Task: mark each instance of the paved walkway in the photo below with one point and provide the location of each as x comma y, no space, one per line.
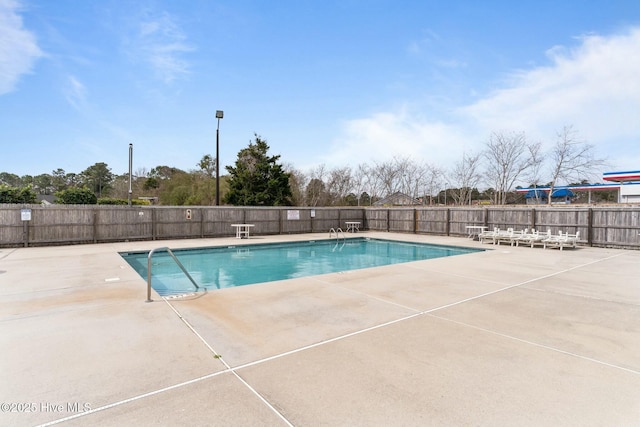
509,336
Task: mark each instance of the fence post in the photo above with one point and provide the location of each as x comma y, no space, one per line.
448,221
590,226
415,220
95,225
311,210
25,233
201,210
533,218
154,228
365,222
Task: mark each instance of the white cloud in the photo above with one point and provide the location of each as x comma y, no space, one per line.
432,49
593,87
75,93
398,134
424,45
18,47
161,43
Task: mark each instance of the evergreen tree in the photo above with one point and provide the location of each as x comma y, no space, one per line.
98,178
10,179
257,179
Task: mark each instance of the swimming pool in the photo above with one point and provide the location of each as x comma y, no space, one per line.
229,266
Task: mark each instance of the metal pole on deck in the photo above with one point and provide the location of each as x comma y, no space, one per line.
219,115
130,170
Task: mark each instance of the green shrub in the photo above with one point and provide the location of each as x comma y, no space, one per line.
112,201
17,195
122,202
76,196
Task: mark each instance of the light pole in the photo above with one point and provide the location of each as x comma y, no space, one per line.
219,115
130,172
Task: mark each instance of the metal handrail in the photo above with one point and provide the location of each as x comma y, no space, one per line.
344,238
170,252
337,231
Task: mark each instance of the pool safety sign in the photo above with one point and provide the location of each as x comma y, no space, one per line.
293,215
25,214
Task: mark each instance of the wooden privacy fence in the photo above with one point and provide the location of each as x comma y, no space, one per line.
603,226
36,225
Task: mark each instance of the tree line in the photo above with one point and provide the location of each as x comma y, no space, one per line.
258,178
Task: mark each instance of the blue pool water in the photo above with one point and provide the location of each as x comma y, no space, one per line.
228,266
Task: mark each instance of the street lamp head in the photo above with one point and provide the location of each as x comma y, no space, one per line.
219,114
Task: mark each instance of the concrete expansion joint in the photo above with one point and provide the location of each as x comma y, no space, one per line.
229,368
3,255
539,345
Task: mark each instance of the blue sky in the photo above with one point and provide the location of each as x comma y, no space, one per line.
324,82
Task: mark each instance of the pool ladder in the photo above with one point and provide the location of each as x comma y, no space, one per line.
337,233
170,252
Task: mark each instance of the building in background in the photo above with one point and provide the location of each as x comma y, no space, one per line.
629,184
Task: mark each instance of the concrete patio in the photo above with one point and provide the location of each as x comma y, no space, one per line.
510,336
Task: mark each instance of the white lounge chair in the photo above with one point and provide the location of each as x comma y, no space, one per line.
533,238
551,239
562,240
505,236
517,235
521,236
488,235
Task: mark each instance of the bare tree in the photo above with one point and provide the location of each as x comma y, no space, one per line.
386,177
571,159
466,176
339,184
315,193
399,175
361,181
533,174
298,181
432,181
412,177
508,156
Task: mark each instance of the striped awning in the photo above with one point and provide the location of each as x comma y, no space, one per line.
621,176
